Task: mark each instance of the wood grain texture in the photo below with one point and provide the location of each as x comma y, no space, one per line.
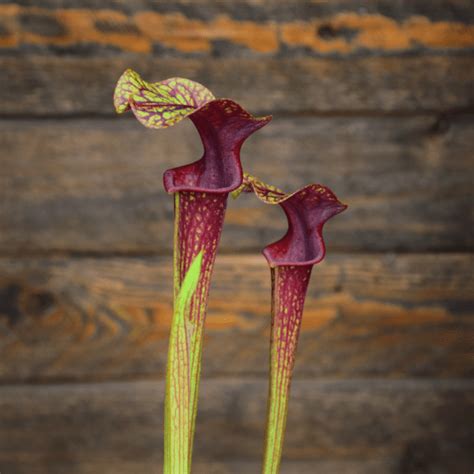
413,425
96,185
177,29
279,10
111,466
365,315
42,85
369,97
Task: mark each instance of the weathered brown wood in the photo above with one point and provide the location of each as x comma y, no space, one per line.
111,466
366,315
96,185
279,10
220,30
67,85
95,428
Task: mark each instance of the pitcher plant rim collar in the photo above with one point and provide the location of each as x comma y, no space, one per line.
223,126
307,210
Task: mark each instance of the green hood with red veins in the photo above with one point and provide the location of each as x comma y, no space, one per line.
160,104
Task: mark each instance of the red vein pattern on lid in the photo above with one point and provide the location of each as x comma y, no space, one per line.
160,104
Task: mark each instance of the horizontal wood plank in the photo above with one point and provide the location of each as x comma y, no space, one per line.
96,185
278,10
112,466
42,85
366,315
220,30
98,427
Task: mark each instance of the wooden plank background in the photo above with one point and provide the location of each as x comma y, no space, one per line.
367,316
373,98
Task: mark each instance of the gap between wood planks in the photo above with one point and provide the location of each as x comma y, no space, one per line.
455,383
101,255
283,114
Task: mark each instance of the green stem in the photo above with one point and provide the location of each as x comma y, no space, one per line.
289,284
179,379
